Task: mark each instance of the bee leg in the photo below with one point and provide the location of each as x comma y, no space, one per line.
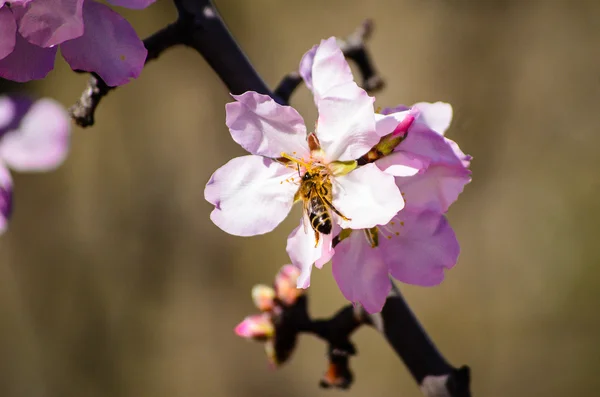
316,238
335,210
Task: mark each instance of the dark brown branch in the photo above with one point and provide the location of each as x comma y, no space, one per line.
402,330
84,109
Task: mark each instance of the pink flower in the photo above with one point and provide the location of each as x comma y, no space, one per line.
418,244
91,36
253,194
34,136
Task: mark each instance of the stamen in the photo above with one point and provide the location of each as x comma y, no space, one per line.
296,160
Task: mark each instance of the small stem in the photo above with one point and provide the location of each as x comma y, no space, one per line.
84,109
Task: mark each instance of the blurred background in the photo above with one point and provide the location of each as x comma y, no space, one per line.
114,282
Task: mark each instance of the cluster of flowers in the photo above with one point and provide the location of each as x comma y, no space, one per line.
34,137
92,37
375,185
273,304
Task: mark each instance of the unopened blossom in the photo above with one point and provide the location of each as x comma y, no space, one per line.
34,137
253,194
269,326
91,36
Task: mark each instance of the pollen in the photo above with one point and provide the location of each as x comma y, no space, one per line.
402,223
122,57
397,233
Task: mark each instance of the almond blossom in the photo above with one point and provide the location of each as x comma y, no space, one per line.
91,36
418,244
34,137
253,194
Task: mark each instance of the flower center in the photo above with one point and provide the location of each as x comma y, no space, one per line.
311,166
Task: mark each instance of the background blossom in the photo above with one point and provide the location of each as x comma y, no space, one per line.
34,137
91,36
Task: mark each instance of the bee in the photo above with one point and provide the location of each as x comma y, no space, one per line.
315,192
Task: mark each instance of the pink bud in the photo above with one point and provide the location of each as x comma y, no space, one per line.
257,327
285,284
263,296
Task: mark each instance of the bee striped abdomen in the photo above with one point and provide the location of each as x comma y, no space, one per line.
320,219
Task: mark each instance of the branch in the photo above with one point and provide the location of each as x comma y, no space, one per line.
435,376
83,110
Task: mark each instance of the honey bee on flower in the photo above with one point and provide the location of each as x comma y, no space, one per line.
253,194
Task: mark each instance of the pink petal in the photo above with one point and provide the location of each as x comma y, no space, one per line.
48,23
428,144
109,46
306,64
329,69
265,128
402,164
5,197
133,4
368,196
41,141
435,189
417,247
251,194
465,159
346,124
12,110
258,326
303,253
387,123
8,109
27,62
285,284
436,116
361,272
8,31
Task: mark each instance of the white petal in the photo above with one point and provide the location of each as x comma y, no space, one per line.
265,128
346,124
251,195
329,69
303,252
368,196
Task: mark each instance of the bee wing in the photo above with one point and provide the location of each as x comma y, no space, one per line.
307,210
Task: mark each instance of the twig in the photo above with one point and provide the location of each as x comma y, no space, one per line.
84,109
435,376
